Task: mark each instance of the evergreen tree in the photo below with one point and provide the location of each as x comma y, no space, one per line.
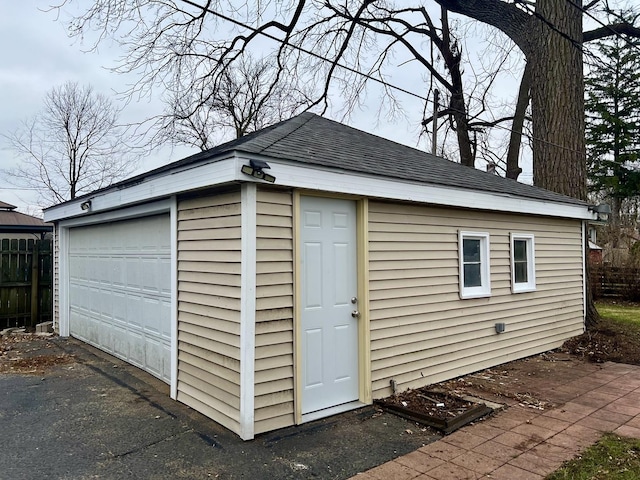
612,107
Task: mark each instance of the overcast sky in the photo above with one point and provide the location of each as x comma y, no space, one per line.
36,55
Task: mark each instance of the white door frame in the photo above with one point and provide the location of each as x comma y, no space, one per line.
364,343
168,205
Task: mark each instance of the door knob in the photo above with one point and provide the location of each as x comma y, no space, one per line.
355,314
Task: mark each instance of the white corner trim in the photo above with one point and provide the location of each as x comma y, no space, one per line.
248,310
63,281
174,297
585,225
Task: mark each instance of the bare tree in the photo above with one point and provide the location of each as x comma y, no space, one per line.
245,100
74,146
176,47
167,34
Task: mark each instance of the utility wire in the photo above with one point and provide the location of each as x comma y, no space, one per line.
302,49
378,80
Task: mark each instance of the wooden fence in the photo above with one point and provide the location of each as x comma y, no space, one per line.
25,282
615,282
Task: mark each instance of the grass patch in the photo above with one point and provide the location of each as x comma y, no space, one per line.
620,312
612,458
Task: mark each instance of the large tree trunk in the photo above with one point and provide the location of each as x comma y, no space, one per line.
557,99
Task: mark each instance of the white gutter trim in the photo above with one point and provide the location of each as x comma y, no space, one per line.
248,310
159,186
297,175
312,178
174,297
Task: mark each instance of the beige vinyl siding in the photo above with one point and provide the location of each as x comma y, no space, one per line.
209,252
422,332
274,311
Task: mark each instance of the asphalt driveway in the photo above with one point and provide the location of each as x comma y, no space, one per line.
99,418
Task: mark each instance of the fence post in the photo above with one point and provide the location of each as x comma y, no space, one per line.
35,284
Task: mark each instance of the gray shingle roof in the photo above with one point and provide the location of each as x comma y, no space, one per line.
317,141
314,140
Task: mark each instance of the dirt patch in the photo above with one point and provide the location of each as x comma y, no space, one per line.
29,354
433,404
437,409
607,342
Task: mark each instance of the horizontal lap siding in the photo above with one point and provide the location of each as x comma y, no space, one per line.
422,332
209,254
274,312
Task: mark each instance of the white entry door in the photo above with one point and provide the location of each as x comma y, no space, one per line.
329,332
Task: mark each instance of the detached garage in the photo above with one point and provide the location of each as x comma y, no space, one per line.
298,271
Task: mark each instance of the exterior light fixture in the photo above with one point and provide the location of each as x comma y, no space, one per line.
255,170
602,211
86,206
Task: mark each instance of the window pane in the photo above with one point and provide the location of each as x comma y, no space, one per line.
520,250
471,250
521,273
472,277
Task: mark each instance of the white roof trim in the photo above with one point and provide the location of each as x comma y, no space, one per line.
312,177
208,173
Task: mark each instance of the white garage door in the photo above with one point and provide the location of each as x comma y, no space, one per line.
120,290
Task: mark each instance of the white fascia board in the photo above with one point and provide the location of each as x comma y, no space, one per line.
312,177
316,178
207,173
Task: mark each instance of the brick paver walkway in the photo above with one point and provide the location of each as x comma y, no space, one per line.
525,444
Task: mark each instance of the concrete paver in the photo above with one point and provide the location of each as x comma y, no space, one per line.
527,444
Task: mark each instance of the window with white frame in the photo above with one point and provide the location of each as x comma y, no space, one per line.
523,263
474,274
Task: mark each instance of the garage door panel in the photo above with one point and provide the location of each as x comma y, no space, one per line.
136,348
120,340
120,290
154,354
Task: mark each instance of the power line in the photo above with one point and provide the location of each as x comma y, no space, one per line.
369,77
302,49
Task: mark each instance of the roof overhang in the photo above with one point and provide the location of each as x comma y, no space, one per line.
227,169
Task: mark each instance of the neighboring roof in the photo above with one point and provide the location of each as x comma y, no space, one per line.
11,221
317,141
